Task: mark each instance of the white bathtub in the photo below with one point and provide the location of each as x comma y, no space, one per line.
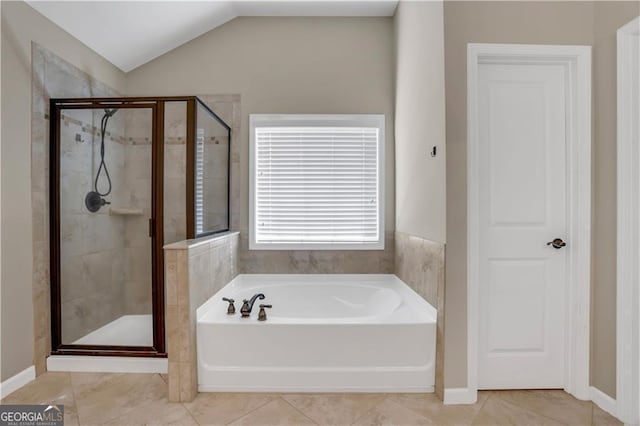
325,333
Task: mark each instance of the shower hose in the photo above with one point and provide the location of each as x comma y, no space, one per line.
103,165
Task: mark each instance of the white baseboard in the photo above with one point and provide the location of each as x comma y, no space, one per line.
604,401
307,389
456,396
14,383
107,364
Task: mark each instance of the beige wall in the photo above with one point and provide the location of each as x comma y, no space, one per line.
420,178
285,65
419,120
587,23
20,26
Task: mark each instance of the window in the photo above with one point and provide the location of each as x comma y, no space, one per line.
317,182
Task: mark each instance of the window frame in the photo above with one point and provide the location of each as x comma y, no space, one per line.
317,120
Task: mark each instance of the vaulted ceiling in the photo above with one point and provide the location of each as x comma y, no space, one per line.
132,33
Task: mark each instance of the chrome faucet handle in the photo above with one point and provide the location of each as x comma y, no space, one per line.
231,309
262,315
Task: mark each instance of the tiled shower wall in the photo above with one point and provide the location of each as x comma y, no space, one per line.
136,192
92,255
52,77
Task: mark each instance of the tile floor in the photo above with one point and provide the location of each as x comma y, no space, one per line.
137,399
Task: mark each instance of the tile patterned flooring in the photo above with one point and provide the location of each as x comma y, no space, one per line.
141,399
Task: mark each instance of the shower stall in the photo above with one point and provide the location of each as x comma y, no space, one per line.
128,175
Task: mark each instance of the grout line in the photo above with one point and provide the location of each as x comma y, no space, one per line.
165,381
385,397
249,412
75,401
189,411
295,408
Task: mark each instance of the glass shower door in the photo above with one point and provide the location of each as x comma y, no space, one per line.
105,246
211,173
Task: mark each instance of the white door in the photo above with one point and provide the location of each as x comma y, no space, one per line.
522,206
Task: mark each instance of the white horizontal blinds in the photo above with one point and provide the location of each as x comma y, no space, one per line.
199,195
316,185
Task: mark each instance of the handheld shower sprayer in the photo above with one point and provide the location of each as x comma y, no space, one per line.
94,199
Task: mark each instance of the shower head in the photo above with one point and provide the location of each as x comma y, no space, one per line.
110,111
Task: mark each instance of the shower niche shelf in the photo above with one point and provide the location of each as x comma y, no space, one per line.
125,211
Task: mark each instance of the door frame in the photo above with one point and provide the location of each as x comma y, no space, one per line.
628,270
577,60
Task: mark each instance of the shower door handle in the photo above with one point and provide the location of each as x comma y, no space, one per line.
151,227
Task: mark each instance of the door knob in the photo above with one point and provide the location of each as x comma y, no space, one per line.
557,243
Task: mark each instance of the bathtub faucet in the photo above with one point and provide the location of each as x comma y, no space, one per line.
247,305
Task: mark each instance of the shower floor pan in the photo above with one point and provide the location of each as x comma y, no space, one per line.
128,330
